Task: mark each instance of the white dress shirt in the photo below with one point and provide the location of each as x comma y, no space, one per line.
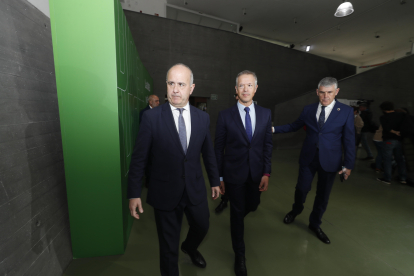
328,110
252,114
187,119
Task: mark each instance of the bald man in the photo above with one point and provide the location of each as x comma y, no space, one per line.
153,101
175,135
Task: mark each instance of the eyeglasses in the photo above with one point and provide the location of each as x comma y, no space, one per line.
172,84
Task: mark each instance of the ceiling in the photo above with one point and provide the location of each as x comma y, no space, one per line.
350,39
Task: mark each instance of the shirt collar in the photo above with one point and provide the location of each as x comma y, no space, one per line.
331,105
242,107
186,107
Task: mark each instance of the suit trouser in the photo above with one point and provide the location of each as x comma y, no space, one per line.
169,228
244,198
323,190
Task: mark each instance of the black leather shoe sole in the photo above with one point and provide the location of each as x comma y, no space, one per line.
196,258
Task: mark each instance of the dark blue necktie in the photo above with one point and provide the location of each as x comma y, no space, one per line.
322,117
248,124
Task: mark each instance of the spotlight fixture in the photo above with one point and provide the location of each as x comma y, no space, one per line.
244,12
291,46
240,29
344,9
307,48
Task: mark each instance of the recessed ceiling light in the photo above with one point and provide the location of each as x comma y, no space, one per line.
307,48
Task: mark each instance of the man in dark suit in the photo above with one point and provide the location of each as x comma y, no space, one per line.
329,130
175,135
224,198
153,101
243,147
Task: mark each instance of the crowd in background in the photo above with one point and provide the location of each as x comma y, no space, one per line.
393,138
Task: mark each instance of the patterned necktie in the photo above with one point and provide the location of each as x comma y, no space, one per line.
248,123
182,132
322,117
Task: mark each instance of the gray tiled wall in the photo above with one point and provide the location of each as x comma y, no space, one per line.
34,225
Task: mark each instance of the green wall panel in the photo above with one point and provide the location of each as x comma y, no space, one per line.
102,85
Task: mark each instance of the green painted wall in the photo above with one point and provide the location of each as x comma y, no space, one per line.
102,85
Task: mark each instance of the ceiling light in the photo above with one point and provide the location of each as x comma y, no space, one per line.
344,9
307,48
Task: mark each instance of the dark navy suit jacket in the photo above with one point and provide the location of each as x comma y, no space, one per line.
337,134
236,156
142,112
172,171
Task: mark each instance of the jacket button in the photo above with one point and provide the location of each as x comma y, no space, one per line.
185,160
320,133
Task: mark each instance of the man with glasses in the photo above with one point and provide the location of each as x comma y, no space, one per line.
174,135
243,147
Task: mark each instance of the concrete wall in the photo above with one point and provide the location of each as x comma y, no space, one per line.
216,57
392,82
151,7
34,227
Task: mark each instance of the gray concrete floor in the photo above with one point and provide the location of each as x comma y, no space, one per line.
370,225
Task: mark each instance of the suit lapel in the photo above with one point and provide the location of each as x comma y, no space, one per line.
169,123
258,113
236,116
194,126
313,110
333,114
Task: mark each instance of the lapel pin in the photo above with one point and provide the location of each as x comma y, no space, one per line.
338,109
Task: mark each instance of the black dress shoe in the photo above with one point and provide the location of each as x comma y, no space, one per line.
290,217
240,266
320,234
221,207
195,256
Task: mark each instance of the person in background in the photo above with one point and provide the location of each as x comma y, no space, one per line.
225,197
153,101
366,116
379,144
391,123
359,124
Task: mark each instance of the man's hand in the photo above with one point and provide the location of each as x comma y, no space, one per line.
215,191
398,133
264,183
346,173
135,203
222,188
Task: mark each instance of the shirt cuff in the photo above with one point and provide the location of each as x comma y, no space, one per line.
273,129
221,178
266,174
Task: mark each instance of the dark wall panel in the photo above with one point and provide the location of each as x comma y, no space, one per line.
392,82
216,57
34,227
